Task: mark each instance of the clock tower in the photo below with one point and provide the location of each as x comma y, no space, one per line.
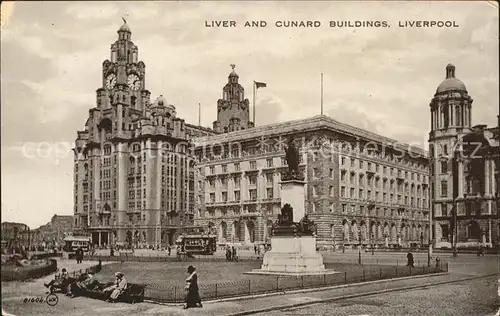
123,76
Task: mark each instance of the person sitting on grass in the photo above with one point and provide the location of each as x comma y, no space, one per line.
62,282
116,289
80,287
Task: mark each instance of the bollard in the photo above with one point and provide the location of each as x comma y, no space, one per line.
215,290
277,283
249,289
345,277
396,271
324,279
381,273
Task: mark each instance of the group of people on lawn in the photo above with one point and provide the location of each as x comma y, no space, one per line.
86,283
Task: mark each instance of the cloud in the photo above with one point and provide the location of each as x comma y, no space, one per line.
92,11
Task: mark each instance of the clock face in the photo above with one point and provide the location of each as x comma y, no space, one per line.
134,82
110,81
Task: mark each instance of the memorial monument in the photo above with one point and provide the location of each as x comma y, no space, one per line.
293,240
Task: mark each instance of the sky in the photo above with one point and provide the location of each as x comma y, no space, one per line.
379,79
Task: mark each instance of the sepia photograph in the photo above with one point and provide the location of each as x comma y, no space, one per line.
268,158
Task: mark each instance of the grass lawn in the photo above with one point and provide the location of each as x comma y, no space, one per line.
165,280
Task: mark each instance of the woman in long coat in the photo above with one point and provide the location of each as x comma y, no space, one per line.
193,295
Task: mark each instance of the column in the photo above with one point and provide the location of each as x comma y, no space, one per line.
487,177
489,227
438,118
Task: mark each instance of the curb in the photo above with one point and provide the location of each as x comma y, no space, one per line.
318,289
288,306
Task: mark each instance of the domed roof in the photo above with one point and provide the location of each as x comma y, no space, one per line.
233,73
451,83
124,28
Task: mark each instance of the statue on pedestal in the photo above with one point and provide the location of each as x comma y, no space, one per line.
293,160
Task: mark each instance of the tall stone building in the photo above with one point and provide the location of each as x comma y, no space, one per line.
475,174
133,172
362,188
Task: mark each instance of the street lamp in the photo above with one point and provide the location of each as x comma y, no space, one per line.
343,242
373,246
359,252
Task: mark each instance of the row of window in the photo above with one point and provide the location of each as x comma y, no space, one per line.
385,170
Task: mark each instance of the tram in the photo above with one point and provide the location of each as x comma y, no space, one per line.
194,241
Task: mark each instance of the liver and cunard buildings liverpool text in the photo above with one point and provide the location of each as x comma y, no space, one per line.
141,173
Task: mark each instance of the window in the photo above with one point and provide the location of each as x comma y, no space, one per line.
236,195
269,193
351,193
212,197
236,181
252,180
253,164
269,178
253,194
342,175
269,162
224,196
224,168
212,169
444,188
353,162
444,166
237,166
343,161
342,192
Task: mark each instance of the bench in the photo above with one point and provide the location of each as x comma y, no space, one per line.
134,293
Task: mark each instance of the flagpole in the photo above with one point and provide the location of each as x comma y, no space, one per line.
254,103
199,114
321,93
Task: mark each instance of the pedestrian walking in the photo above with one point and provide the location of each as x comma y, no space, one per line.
409,258
193,295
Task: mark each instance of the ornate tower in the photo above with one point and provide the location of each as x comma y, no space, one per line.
450,119
233,111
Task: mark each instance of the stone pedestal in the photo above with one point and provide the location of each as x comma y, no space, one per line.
293,255
293,192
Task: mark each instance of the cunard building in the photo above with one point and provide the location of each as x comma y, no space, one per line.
362,188
133,175
464,169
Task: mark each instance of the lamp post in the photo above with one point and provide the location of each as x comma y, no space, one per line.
373,246
456,178
343,242
360,245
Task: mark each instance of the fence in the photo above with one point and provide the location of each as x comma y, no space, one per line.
152,258
93,269
175,294
16,273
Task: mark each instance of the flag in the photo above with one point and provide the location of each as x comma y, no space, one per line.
260,84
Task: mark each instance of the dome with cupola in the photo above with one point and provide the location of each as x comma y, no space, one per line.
451,83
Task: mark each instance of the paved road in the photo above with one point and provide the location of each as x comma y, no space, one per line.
470,298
